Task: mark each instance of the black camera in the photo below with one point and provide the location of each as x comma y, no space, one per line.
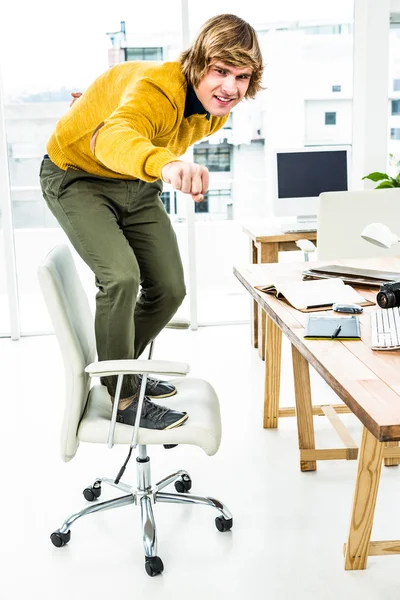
389,294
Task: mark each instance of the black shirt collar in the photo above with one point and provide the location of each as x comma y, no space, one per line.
193,106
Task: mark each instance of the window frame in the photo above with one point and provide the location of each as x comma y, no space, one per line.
158,50
210,156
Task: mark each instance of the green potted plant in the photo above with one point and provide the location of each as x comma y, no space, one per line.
385,180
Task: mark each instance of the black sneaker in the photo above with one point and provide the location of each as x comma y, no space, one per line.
156,388
153,416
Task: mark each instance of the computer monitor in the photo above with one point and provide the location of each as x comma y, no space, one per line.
301,175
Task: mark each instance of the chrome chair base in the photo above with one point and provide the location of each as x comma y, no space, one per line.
145,495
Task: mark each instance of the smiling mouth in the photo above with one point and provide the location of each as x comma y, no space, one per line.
225,100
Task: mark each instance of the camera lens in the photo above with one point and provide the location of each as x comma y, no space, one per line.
386,299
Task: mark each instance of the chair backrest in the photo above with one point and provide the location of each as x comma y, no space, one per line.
343,215
73,324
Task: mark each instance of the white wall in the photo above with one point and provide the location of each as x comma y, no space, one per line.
249,191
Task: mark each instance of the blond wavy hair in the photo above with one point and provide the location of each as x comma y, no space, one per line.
229,39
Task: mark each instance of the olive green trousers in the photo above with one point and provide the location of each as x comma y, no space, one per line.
121,230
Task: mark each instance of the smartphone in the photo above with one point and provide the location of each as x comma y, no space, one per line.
347,308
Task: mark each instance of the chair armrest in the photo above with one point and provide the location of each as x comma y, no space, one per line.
132,366
123,367
306,245
178,324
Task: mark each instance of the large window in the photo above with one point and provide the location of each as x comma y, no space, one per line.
394,97
37,87
301,70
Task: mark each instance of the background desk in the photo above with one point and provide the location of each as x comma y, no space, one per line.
266,241
368,382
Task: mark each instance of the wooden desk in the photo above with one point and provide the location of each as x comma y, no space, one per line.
266,242
368,382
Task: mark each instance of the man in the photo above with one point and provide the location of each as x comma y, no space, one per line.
102,179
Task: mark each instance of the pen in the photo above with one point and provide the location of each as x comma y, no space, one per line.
336,332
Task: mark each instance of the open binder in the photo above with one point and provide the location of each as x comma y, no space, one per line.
309,296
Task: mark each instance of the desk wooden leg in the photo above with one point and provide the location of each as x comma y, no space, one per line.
266,253
366,490
273,352
254,304
261,320
304,414
254,323
391,462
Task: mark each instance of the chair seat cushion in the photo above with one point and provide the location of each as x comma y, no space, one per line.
195,396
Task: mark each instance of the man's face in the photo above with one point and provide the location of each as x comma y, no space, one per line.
222,88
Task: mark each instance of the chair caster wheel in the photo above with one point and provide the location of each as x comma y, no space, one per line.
60,539
92,492
184,484
223,524
153,565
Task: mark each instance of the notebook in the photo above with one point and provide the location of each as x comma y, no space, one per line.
361,277
326,328
315,295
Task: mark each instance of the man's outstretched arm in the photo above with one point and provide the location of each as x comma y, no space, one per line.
189,178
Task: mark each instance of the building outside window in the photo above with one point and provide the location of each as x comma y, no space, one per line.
169,200
330,118
395,133
215,158
217,201
395,107
336,88
396,85
202,207
166,200
143,53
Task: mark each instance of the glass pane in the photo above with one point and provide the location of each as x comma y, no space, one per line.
144,53
4,310
307,101
393,165
37,88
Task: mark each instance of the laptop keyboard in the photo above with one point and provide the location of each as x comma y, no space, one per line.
385,329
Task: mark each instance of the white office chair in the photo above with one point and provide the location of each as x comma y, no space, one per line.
88,415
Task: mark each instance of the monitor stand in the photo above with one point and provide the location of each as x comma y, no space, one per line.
307,219
303,223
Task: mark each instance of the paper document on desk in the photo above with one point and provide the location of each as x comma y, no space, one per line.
313,295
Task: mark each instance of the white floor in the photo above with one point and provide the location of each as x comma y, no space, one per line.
289,527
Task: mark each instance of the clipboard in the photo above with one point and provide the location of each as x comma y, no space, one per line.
332,328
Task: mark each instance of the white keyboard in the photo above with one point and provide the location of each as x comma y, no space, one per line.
301,227
385,329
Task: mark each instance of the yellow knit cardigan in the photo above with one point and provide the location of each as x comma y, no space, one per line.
130,123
